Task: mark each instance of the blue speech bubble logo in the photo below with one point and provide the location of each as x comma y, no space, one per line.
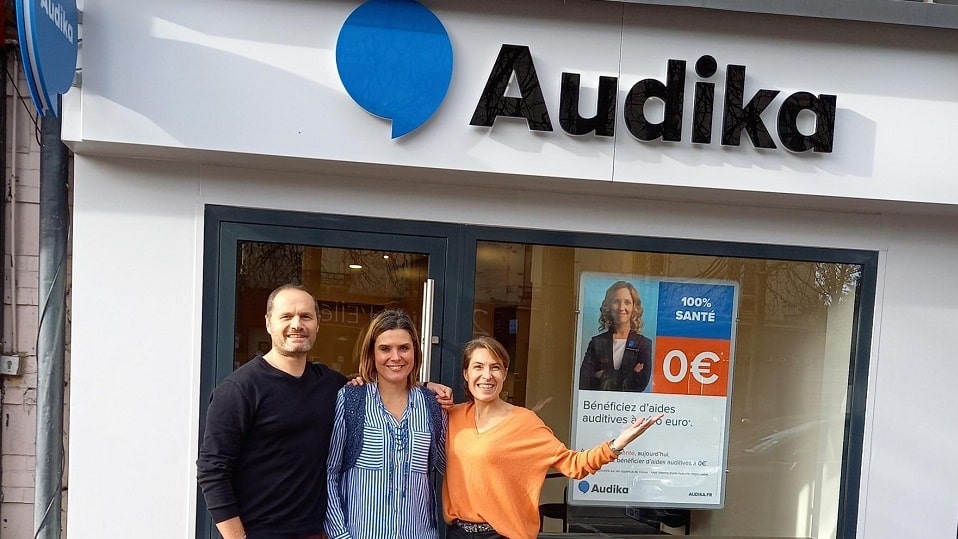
583,486
395,60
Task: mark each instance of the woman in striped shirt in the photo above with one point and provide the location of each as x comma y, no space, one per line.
387,436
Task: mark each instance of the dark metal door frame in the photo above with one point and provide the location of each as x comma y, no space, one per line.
226,227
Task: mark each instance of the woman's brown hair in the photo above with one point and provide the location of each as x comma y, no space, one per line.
388,320
495,349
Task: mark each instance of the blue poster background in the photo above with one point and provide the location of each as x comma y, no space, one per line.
701,298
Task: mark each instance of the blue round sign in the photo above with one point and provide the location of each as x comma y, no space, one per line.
395,60
48,48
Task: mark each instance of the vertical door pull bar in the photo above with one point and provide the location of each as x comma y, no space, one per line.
425,334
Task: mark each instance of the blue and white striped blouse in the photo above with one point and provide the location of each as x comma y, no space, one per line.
388,493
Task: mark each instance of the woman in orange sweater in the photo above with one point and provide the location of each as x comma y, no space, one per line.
498,454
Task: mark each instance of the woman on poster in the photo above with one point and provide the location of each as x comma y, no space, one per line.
619,358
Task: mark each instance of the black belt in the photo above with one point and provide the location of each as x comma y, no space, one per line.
473,527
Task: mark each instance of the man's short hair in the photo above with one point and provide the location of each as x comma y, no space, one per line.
287,286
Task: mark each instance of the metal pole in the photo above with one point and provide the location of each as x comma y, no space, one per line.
54,225
3,166
3,207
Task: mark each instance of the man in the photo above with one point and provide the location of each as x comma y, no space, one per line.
262,464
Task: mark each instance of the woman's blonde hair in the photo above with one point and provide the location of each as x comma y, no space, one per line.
605,311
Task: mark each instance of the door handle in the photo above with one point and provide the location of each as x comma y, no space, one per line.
425,336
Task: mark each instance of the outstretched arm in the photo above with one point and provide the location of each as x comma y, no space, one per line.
578,464
633,431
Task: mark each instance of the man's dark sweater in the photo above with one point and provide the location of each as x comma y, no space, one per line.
263,456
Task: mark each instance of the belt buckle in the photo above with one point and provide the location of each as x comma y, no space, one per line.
474,527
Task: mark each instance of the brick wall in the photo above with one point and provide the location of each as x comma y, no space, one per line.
22,229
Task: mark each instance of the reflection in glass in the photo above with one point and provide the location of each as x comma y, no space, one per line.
794,337
350,285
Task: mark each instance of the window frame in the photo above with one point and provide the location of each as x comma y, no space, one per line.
463,240
853,442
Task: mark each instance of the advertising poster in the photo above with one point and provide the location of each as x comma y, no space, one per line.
649,346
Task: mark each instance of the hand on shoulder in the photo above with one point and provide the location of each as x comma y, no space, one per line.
443,394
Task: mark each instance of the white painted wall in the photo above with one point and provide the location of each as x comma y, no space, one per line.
138,304
260,78
911,481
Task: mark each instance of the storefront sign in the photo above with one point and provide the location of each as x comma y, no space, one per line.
48,49
515,63
395,60
675,361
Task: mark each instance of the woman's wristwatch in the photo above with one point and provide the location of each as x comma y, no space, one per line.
613,448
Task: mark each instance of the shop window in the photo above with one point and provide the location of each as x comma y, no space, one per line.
791,343
797,336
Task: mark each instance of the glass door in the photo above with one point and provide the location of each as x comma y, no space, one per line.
351,286
353,276
355,267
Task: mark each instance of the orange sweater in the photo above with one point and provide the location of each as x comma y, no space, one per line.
497,476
